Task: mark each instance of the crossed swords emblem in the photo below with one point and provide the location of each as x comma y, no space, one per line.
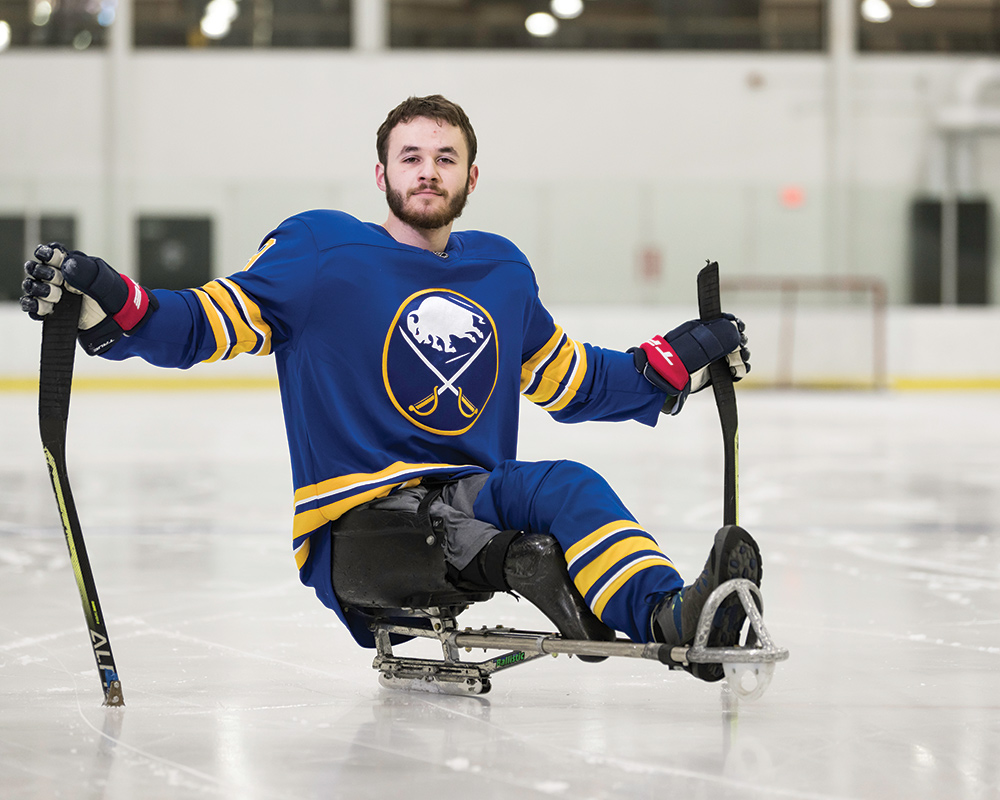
429,404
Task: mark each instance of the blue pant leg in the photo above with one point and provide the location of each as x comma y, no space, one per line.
617,567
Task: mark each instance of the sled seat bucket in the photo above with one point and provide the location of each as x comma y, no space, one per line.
386,559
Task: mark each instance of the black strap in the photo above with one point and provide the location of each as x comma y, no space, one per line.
487,568
424,507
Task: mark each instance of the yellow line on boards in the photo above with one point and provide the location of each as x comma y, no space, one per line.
188,383
146,384
951,384
895,383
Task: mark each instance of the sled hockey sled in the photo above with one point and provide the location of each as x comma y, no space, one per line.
748,668
390,567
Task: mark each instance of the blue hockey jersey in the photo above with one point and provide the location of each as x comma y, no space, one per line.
394,362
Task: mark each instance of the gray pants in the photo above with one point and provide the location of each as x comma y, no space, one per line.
464,535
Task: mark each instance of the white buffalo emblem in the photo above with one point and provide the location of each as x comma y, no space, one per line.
441,360
438,322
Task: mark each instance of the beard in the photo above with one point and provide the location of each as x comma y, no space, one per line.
427,220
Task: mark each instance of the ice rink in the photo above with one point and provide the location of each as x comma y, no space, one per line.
878,515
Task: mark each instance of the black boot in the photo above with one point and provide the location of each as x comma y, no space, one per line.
535,567
734,554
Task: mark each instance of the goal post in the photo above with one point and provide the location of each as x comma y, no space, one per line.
813,331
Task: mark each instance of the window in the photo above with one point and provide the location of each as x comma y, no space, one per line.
973,245
175,252
18,237
80,24
242,23
609,24
929,26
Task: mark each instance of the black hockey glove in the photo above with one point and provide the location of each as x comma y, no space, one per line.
678,362
113,305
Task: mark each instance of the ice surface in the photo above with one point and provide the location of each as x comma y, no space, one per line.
877,514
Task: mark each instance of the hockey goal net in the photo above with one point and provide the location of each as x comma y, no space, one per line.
812,331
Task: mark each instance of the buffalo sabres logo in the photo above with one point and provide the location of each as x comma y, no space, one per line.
440,361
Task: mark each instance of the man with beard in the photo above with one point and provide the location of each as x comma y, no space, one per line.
402,351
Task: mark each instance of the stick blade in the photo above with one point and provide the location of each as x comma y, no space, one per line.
709,299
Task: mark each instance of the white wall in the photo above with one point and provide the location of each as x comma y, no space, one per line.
934,348
586,158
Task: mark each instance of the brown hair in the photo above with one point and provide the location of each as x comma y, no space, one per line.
433,107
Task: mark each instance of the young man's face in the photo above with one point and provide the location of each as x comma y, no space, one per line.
427,178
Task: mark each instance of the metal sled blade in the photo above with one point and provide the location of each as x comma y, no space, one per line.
451,675
748,668
411,674
447,675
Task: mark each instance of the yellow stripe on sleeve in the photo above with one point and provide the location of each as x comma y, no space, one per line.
267,246
247,335
569,392
553,374
529,367
561,376
216,324
256,317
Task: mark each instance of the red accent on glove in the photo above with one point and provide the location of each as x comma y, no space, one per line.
666,362
135,307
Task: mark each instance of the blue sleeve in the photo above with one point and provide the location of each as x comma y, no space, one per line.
173,336
612,392
578,382
254,311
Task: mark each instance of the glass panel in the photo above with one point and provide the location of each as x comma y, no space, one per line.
12,242
80,24
609,24
175,252
973,252
929,26
18,237
57,229
242,23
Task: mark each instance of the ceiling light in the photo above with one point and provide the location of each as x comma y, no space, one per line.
227,9
876,10
106,16
4,35
567,9
42,13
218,18
215,26
541,24
83,40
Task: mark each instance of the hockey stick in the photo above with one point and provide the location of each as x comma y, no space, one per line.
710,307
55,380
